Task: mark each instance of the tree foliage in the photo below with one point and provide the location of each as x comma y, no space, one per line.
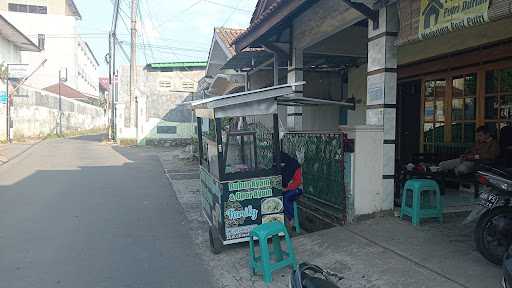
3,71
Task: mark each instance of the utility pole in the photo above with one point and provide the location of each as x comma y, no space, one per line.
112,69
60,106
65,78
113,78
8,110
133,67
108,59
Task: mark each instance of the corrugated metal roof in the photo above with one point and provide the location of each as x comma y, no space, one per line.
178,64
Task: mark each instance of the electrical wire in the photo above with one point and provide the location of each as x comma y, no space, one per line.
181,13
142,32
125,54
125,24
228,6
164,47
231,14
153,26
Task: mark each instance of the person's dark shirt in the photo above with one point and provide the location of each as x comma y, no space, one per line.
288,167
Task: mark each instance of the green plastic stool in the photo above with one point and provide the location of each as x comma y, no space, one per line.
296,217
421,199
264,263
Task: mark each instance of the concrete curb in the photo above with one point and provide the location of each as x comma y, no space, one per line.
2,163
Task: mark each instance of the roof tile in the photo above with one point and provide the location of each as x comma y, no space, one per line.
271,6
65,91
227,36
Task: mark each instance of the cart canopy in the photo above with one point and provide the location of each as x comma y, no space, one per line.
257,102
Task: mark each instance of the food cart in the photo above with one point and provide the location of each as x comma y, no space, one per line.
238,137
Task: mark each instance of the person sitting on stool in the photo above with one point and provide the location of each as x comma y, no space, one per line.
292,180
485,149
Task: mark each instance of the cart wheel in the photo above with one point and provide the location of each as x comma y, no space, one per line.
216,245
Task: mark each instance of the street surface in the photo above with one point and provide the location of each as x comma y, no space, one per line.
80,213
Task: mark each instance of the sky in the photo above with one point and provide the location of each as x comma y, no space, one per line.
168,30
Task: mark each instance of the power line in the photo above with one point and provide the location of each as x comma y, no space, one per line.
122,10
231,14
207,42
121,14
228,6
113,24
181,13
88,33
142,32
150,14
153,26
171,52
164,47
124,23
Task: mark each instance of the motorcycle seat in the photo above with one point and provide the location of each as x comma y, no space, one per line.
313,282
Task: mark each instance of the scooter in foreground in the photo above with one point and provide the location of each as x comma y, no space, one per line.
493,231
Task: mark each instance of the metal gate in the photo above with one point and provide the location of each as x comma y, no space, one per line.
322,168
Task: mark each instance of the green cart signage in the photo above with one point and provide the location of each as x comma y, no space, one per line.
234,208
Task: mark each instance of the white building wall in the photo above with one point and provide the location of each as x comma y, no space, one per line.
56,7
366,182
86,75
9,53
37,115
61,50
326,86
357,89
159,94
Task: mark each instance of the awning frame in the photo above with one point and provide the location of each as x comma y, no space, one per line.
258,102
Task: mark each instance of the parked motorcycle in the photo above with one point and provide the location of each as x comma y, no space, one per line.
507,269
493,231
312,276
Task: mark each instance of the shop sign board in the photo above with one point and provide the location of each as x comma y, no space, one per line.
3,97
250,202
210,197
18,71
234,208
438,17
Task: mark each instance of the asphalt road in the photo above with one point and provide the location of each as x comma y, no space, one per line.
79,213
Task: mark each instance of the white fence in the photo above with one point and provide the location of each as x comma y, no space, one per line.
35,113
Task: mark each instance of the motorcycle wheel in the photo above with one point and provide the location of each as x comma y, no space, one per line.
493,234
216,245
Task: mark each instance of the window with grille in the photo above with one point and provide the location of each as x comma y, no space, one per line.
166,129
498,99
188,85
37,9
14,7
41,41
433,114
463,109
165,84
18,7
455,105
